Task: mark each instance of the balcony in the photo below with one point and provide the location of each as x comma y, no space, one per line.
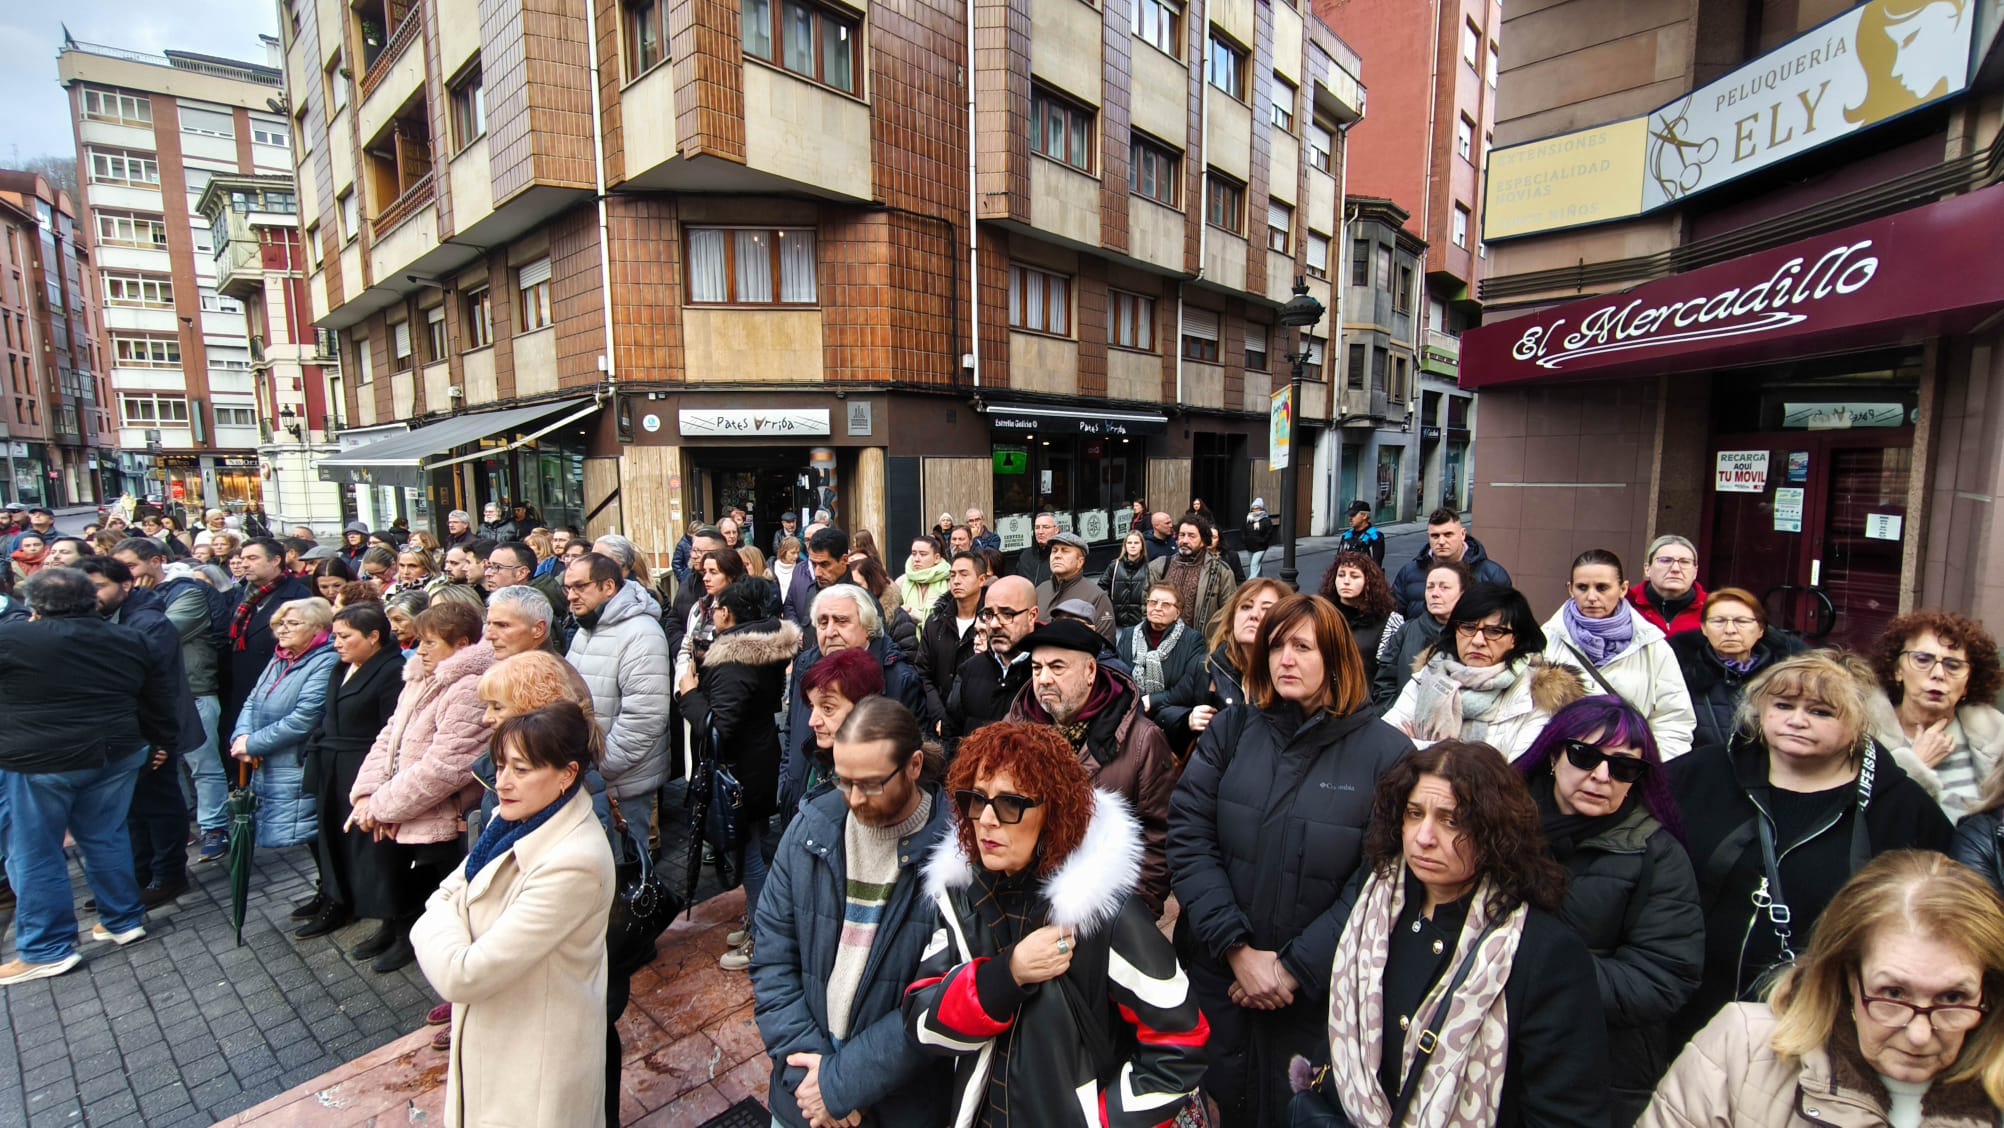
1441,353
383,58
404,206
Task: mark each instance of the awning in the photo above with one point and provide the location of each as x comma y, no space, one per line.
405,459
1028,419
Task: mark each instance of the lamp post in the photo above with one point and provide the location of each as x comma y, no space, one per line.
1301,312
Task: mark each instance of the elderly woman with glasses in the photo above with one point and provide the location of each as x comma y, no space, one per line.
1717,660
279,716
1047,982
1670,596
1938,674
1889,1018
1486,679
1610,820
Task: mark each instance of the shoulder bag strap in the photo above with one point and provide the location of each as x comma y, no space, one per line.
1429,1038
1861,836
1594,672
1769,898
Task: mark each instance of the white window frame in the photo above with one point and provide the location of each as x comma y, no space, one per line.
1316,248
278,134
134,226
532,282
119,165
112,104
1283,95
365,365
152,409
235,415
1471,44
199,129
1157,23
138,291
141,351
1321,144
400,345
1279,226
1464,137
1460,229
479,312
437,343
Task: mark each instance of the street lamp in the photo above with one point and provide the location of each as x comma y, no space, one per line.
1301,312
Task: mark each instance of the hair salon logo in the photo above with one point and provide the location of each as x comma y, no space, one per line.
1786,299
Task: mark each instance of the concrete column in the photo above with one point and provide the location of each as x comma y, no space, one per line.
866,497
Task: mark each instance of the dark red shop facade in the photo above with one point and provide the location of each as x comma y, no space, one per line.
1824,418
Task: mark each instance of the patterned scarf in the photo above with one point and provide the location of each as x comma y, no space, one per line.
1148,675
1600,639
1449,694
1184,573
1462,1084
246,611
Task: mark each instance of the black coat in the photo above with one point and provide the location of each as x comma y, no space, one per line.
354,868
1034,564
1186,673
1366,631
1266,828
81,692
1127,588
1716,690
1721,792
1410,584
1259,532
146,612
983,692
1633,898
732,710
943,647
1413,639
1979,844
244,664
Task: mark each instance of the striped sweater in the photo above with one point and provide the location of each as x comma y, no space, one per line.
870,856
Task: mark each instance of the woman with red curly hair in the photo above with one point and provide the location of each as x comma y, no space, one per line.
1048,982
1938,673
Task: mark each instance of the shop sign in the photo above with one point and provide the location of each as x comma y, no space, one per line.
1925,271
1589,176
1011,421
860,420
765,421
1842,416
1011,461
1788,509
1014,531
1742,471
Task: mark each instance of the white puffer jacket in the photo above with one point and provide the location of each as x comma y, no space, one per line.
624,659
1645,674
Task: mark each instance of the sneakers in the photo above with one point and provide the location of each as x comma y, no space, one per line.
214,845
100,933
737,959
18,972
736,937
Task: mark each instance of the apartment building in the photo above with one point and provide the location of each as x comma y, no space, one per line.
1742,287
54,426
152,131
260,261
758,260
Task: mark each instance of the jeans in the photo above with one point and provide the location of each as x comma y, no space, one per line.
639,812
753,865
1253,561
212,784
158,824
90,805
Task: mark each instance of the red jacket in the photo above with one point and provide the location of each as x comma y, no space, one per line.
1689,619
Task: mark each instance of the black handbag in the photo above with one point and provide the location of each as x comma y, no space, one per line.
642,904
724,821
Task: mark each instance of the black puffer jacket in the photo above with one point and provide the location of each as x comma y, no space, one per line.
1413,640
738,691
1127,587
1367,631
1185,674
1721,792
1979,844
942,648
983,690
1716,690
901,684
1633,898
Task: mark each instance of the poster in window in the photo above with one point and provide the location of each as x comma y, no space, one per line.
1093,525
1741,471
1014,531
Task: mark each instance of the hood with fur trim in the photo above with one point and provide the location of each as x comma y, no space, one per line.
1088,888
768,642
1554,685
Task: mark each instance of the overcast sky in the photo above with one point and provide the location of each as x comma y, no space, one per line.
35,119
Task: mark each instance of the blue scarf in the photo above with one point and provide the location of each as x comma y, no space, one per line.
500,834
1599,639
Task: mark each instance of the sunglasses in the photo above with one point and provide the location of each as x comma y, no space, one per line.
1009,809
1622,769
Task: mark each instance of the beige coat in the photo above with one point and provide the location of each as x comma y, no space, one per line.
1729,1077
520,954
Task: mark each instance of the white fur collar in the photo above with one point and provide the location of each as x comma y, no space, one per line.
1089,887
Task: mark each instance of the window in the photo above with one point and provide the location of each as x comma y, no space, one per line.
1320,143
1460,233
1255,346
1471,44
534,282
1378,358
1040,301
207,123
119,229
1402,298
1318,254
400,346
145,352
157,411
364,363
1282,95
1157,22
138,290
1060,130
479,319
271,133
646,39
235,417
1152,171
1385,267
814,42
1223,200
1360,262
116,166
1493,66
1225,67
1464,138
1311,351
118,107
1398,389
1130,321
434,334
1200,334
751,266
1358,354
1279,226
213,302
469,109
337,87
351,220
313,245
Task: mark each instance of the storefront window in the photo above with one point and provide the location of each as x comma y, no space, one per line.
1087,482
1389,458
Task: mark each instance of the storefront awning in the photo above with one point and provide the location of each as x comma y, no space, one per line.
1032,419
405,459
1927,272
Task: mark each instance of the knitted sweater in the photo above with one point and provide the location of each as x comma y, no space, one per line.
870,855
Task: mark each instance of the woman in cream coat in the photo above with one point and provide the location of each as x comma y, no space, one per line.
515,938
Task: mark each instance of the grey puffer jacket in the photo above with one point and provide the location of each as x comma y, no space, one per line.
624,659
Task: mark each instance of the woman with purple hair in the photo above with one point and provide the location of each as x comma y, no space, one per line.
1610,820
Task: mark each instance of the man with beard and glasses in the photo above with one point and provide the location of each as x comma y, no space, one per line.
1203,581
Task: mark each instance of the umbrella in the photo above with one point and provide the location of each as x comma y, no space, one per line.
697,801
242,808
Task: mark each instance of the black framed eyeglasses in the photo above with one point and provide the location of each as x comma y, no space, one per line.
1898,1014
1003,613
868,787
1009,809
1587,757
1494,632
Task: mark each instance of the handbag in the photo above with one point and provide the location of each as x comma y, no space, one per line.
1318,1107
642,904
724,822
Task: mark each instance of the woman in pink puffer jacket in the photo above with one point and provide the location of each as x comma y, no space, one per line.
417,782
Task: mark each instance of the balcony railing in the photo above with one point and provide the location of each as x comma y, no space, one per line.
405,34
405,206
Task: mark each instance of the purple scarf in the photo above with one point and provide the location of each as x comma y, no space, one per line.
1599,639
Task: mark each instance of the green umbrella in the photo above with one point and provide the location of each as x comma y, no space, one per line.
242,806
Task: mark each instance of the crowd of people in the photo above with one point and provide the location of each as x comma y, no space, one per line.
1430,859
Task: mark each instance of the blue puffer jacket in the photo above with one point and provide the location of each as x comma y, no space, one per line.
277,717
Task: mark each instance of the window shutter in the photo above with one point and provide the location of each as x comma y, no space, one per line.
1255,338
534,274
1279,216
403,337
435,315
1201,324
